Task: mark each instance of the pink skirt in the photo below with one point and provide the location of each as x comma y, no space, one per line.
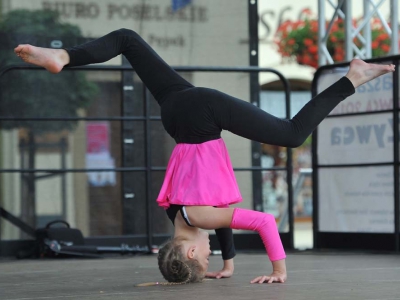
199,174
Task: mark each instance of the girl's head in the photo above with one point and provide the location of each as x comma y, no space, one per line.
184,261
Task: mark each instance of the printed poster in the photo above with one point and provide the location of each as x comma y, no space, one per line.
98,154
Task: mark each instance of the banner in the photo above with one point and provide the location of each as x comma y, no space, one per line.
356,139
356,200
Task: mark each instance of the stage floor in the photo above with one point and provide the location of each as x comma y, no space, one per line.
311,275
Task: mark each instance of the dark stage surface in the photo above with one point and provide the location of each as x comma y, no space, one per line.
311,275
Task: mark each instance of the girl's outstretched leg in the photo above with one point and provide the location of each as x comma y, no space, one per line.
155,73
247,120
53,60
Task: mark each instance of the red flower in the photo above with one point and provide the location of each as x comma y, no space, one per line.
374,44
385,48
314,26
339,50
313,49
298,24
283,27
335,27
376,22
382,37
308,42
306,11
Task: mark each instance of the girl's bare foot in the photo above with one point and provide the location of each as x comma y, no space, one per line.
361,72
53,60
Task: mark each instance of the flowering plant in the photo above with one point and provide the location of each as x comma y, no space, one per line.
380,39
299,39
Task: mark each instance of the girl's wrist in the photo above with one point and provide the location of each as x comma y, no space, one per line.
279,266
228,264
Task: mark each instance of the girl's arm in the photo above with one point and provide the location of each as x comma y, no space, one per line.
225,240
208,217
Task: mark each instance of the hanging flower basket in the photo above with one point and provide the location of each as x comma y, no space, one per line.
299,40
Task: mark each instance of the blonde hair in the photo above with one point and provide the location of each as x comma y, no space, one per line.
174,268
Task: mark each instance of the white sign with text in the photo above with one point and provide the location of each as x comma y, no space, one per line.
356,139
356,200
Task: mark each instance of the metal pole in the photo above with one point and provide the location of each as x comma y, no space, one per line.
149,206
127,110
63,145
22,176
394,19
396,148
255,100
252,69
315,176
348,26
321,32
394,50
367,32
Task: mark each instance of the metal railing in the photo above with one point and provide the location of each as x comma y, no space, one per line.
148,167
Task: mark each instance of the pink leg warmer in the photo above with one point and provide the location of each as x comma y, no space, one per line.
266,227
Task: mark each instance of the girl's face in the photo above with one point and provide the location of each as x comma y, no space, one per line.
202,251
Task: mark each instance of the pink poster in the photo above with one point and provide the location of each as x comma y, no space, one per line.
98,154
97,135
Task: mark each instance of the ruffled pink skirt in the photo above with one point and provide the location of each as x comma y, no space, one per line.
199,174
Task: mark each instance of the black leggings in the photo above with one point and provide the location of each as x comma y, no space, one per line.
196,115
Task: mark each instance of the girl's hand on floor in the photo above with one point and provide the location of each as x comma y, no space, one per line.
274,277
224,273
